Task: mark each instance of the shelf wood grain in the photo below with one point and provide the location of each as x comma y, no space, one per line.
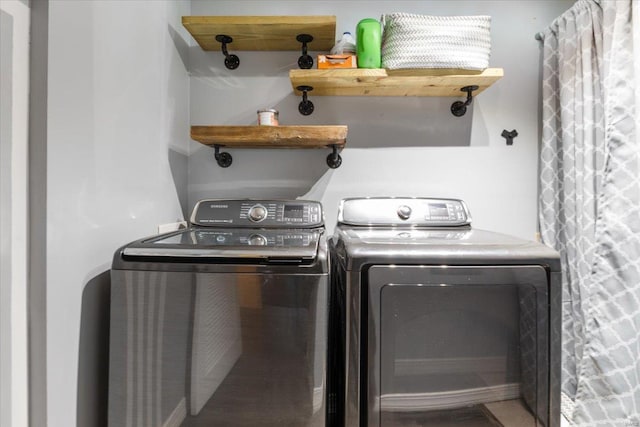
262,32
381,82
271,136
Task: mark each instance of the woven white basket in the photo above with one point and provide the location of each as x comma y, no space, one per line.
424,41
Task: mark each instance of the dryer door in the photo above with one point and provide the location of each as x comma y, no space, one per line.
457,346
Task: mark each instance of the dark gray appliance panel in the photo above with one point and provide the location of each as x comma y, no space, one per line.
457,346
217,349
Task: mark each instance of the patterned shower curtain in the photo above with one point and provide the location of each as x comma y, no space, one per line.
590,204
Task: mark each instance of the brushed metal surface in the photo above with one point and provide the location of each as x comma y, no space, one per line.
371,260
193,349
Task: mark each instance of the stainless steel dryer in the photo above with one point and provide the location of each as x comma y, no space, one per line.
224,323
444,325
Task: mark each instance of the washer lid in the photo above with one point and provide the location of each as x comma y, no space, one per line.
223,244
403,212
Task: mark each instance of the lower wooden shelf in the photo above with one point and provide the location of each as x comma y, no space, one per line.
270,136
334,137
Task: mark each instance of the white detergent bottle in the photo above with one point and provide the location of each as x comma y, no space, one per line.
346,45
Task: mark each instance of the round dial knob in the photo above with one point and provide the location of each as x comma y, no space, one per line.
257,240
257,213
404,212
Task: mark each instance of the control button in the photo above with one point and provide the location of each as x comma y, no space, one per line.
220,239
257,240
404,212
257,213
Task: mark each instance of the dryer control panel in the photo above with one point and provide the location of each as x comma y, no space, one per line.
258,213
404,211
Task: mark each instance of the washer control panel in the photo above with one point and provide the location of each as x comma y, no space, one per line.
403,211
258,213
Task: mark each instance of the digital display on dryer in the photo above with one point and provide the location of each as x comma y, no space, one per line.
438,211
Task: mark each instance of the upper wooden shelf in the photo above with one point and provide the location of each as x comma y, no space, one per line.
262,32
271,136
381,82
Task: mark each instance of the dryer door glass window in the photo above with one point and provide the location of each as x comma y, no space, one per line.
458,347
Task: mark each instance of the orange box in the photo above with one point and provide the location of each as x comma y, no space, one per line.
337,61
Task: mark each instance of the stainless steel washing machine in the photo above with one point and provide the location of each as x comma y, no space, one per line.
224,323
444,325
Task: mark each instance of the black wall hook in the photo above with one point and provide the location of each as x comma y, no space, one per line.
305,61
305,107
230,61
509,136
459,108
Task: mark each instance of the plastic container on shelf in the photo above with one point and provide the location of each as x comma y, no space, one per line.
346,45
369,41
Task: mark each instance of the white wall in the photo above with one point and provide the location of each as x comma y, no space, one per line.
14,64
395,146
118,103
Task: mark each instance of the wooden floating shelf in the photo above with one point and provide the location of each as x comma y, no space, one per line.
262,32
381,82
271,136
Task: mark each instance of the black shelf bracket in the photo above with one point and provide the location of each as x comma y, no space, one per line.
224,159
305,61
334,160
230,61
459,108
305,107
